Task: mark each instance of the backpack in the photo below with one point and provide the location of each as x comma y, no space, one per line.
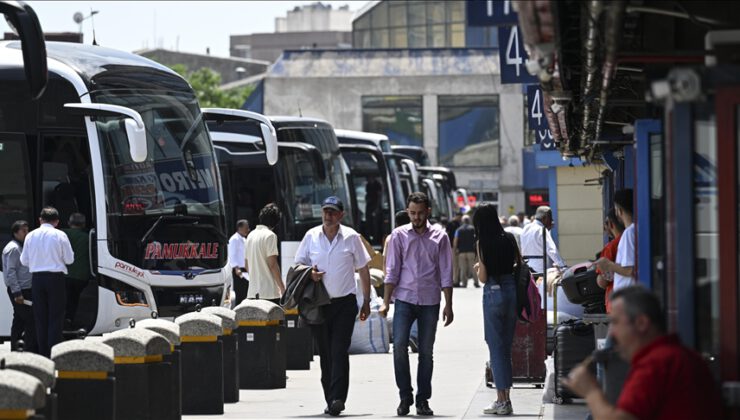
528,299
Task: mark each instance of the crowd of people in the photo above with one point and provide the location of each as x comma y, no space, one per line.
422,262
45,272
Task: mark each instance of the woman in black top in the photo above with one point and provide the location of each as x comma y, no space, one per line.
497,254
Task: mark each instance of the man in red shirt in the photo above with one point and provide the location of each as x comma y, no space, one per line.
614,228
666,380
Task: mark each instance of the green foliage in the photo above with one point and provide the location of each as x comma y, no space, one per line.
206,84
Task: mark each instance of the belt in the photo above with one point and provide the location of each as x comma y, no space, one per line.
346,297
61,273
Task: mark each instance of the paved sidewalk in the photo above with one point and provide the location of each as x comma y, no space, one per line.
458,387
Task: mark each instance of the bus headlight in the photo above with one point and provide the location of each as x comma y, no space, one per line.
126,294
131,298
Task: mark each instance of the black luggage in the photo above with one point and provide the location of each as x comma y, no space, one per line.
574,341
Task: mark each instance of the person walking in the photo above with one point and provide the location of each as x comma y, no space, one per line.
265,281
238,261
335,252
78,273
497,255
18,280
46,253
531,241
464,247
515,230
418,268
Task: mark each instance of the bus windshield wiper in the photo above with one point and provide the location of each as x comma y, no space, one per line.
162,218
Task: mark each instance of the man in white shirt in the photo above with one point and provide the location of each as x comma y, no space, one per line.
531,241
624,266
515,230
335,252
237,261
262,258
47,253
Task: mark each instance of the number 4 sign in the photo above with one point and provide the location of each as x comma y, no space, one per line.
512,56
535,112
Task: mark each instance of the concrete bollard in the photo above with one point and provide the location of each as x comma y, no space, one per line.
40,368
231,351
202,363
171,332
261,344
298,342
85,388
141,374
21,394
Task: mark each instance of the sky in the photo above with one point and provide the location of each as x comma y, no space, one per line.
188,26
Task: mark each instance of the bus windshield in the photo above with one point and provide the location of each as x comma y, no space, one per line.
335,167
178,178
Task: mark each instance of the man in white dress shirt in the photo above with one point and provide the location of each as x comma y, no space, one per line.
335,252
47,253
238,260
531,240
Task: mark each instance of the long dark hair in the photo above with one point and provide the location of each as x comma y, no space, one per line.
496,247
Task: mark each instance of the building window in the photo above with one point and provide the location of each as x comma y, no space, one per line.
398,117
469,130
423,24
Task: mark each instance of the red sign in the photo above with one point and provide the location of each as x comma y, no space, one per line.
537,200
181,251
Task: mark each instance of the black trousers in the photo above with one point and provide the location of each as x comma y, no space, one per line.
333,338
74,288
49,301
23,327
241,287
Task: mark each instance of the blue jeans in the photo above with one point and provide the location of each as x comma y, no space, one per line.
404,315
499,322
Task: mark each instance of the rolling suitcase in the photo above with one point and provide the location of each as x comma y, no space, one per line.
574,341
527,354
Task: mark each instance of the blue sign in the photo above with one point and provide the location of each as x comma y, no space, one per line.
513,57
535,108
545,140
491,13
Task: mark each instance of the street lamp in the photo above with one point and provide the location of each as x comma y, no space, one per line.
79,17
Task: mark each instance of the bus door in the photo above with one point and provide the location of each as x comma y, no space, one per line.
303,184
371,183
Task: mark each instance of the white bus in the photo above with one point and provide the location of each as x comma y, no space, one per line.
120,139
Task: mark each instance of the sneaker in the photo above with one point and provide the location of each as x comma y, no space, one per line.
500,408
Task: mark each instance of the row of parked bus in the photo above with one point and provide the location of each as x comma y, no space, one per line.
122,140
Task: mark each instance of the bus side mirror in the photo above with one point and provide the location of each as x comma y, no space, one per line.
23,21
270,139
135,129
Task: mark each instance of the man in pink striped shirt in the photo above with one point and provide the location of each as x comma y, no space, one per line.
418,268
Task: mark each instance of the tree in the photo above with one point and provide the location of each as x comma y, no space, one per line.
206,84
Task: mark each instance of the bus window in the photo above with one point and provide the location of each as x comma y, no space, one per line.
66,176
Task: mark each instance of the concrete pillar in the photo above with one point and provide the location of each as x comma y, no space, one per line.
511,135
430,128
